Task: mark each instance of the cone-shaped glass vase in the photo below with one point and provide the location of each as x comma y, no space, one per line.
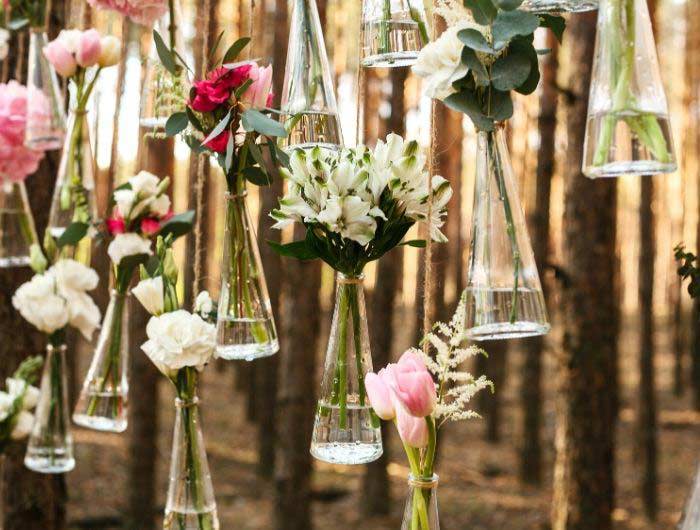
50,445
103,400
163,93
190,504
245,326
559,6
309,108
393,32
504,294
421,511
346,430
691,515
17,230
74,195
628,130
46,118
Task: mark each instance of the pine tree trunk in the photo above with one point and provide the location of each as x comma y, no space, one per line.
693,48
531,381
490,404
584,471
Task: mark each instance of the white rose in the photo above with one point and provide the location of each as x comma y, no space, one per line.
17,387
129,244
203,303
160,206
440,64
124,200
179,339
144,184
25,422
39,303
4,48
150,293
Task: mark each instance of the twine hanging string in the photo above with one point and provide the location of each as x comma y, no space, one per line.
361,90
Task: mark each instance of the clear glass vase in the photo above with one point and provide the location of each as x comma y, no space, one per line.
393,32
103,400
50,445
245,326
74,196
559,6
421,511
690,519
190,504
46,117
346,430
504,294
627,129
17,230
309,109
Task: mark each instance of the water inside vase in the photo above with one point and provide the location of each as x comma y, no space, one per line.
49,459
310,129
391,43
206,519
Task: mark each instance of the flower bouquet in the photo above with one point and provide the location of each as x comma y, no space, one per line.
140,211
227,117
56,297
180,344
18,401
420,393
356,205
78,56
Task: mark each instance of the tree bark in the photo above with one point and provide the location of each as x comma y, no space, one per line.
531,382
584,470
494,368
693,48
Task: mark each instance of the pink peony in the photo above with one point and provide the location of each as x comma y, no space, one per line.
144,12
16,160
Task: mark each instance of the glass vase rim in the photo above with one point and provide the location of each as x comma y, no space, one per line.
181,403
423,482
346,279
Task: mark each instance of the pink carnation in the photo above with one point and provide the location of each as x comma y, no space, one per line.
144,12
16,160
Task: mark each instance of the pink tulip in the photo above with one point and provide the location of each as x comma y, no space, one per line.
60,58
413,385
89,48
259,92
380,395
412,430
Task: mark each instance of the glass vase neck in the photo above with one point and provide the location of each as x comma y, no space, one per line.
350,279
185,403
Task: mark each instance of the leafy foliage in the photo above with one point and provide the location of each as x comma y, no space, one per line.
688,268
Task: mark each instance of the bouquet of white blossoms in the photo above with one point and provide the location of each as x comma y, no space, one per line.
17,402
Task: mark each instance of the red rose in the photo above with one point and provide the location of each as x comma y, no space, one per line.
218,144
116,225
150,226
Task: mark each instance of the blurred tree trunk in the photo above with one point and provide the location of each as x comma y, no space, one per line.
584,485
301,310
489,404
531,380
693,49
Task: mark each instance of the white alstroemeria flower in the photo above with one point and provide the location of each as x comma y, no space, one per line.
346,179
440,63
40,304
23,425
6,402
144,184
150,293
179,339
128,244
17,387
4,47
349,217
442,193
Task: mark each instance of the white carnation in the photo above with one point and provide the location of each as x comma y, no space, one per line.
73,279
150,293
440,63
40,304
179,339
72,275
128,244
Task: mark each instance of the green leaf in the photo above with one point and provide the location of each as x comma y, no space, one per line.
483,11
501,105
508,5
467,103
228,160
73,233
523,46
469,59
235,49
256,153
178,225
176,123
194,120
17,24
254,120
297,249
129,263
282,157
214,48
256,175
475,40
166,56
416,243
555,23
218,129
510,71
510,24
241,89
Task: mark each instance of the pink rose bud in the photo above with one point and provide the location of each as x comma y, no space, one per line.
60,58
379,395
413,385
116,225
150,226
259,91
89,48
413,431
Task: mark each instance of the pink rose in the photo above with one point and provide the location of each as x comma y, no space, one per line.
413,385
60,57
412,430
380,395
116,225
89,48
218,144
258,95
150,226
217,88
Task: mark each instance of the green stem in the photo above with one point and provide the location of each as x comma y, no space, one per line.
57,340
342,361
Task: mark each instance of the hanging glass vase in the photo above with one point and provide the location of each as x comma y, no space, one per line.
245,326
50,445
346,430
393,32
103,400
627,130
504,294
691,514
559,6
17,230
46,119
190,504
309,108
74,195
421,511
163,93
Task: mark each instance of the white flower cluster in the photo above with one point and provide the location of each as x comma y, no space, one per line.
146,193
343,190
18,390
58,297
455,388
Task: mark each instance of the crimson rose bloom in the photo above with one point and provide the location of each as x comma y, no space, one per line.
216,89
218,144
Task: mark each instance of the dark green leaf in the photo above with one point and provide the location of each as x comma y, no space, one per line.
469,59
467,103
218,129
501,105
256,175
475,40
297,249
508,5
214,49
254,120
281,155
73,233
523,46
178,225
235,49
256,153
184,63
417,243
483,11
510,71
510,24
176,123
129,263
166,56
193,119
241,89
555,23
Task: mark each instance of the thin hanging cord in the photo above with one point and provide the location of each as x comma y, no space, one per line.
361,91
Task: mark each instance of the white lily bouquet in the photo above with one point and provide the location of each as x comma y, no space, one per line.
180,344
17,402
356,205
